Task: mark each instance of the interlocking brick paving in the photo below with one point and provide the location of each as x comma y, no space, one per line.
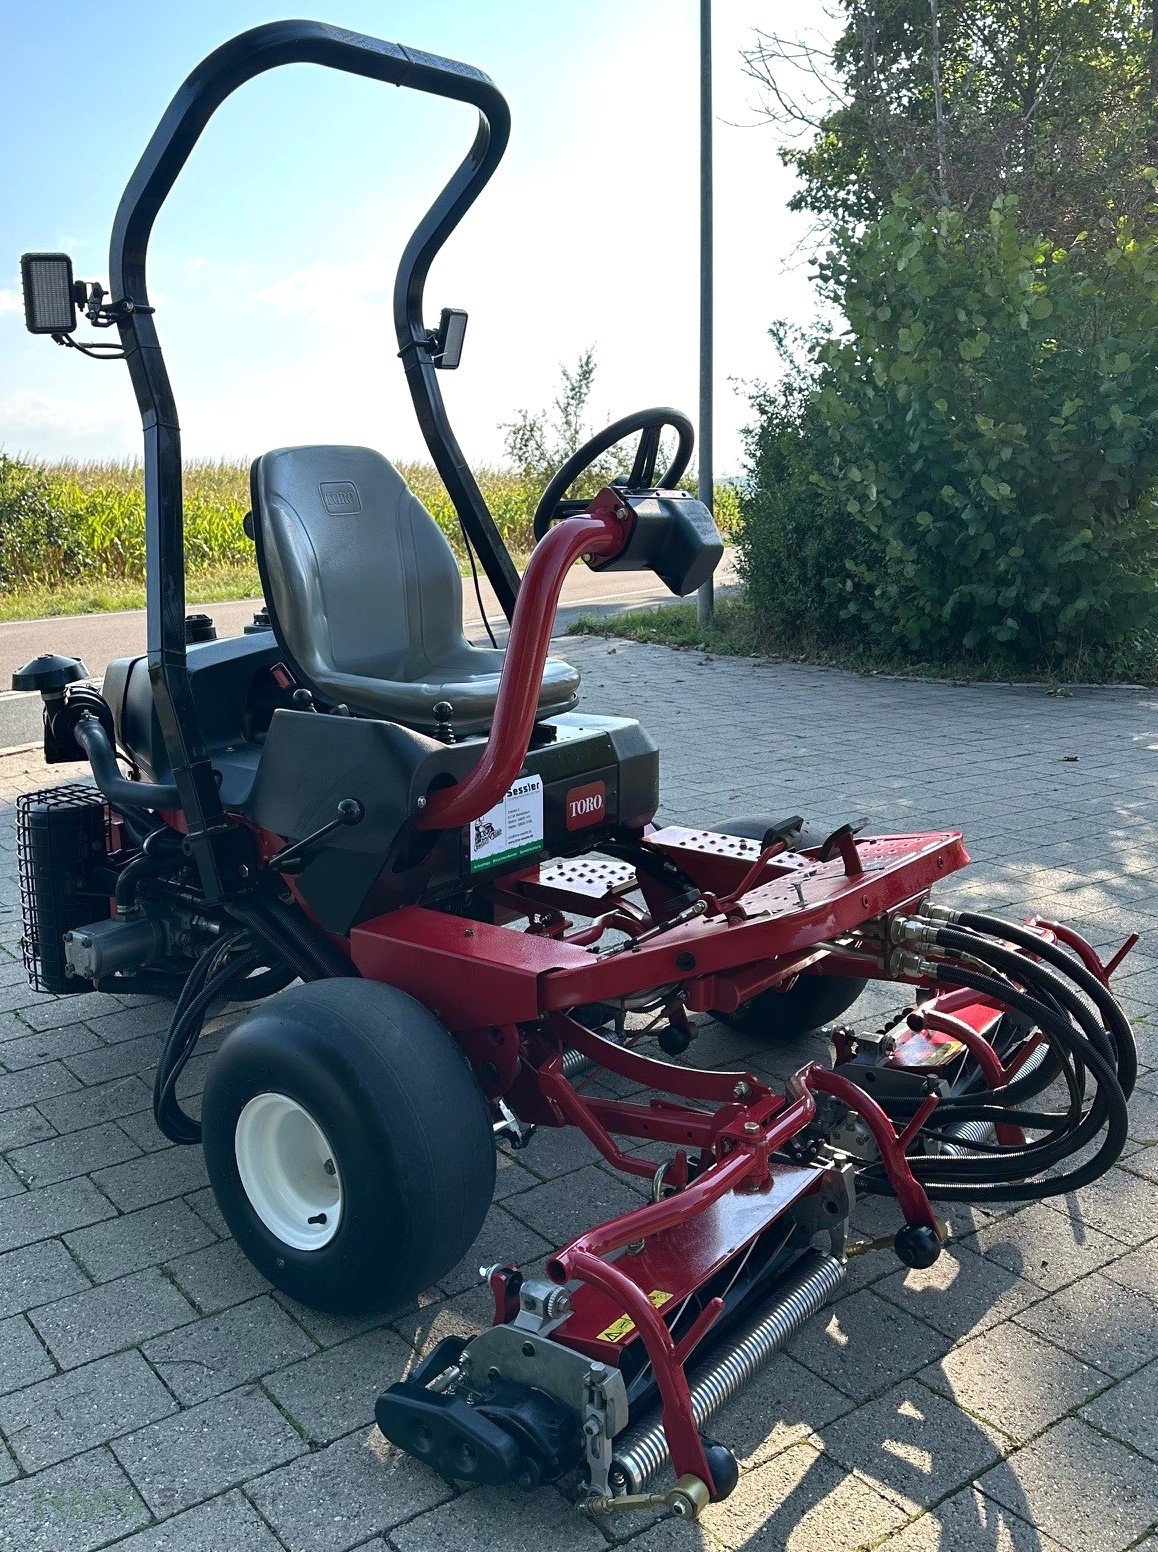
155,1396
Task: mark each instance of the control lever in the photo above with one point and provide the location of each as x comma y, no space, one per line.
293,858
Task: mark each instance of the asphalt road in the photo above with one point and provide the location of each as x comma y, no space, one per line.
98,638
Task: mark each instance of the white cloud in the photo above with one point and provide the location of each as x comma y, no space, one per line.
331,287
59,427
9,301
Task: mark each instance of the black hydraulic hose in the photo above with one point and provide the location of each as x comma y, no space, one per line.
292,938
1065,1062
1056,1028
182,1039
980,1105
1069,964
130,876
254,987
120,791
1085,1045
273,936
1050,986
1018,966
1109,1108
172,1121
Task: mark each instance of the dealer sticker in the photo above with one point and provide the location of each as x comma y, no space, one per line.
510,830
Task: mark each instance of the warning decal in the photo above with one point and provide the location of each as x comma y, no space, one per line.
624,1326
512,829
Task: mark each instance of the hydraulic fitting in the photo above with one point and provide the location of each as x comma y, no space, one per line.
907,966
907,930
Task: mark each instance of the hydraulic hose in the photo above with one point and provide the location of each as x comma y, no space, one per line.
292,938
120,791
1016,965
1004,1178
1044,1154
179,1042
272,941
1089,1039
1102,998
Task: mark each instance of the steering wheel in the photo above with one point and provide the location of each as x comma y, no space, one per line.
650,424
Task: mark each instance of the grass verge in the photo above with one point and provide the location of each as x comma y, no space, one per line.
211,586
733,633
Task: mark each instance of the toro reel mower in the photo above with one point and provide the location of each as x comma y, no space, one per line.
440,885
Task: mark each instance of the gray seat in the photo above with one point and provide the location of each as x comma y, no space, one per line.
365,593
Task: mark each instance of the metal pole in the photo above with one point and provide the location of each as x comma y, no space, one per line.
705,599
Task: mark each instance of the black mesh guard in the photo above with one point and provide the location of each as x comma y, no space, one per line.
60,831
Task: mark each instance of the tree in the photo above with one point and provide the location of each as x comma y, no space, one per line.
971,468
538,442
960,102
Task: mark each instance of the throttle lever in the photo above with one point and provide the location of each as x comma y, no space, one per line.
293,858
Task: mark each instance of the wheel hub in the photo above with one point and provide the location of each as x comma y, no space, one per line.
288,1171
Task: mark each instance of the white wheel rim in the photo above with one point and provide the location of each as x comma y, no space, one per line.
289,1171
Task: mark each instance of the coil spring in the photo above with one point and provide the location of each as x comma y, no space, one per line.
965,1135
642,1451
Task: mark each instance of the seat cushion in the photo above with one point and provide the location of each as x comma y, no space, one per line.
469,682
365,594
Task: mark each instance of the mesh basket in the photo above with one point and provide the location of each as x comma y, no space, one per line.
60,833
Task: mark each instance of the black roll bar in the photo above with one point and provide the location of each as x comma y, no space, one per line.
215,78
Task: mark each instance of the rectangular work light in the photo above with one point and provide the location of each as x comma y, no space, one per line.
449,338
49,299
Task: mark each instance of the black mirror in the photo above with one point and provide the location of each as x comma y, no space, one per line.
448,340
49,298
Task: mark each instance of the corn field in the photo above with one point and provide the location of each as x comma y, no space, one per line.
69,522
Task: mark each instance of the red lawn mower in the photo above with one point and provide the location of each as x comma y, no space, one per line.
443,889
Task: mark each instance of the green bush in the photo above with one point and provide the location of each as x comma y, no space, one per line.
982,443
793,537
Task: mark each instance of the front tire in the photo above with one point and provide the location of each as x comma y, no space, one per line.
812,1001
348,1145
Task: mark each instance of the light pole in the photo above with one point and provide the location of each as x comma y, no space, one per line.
705,599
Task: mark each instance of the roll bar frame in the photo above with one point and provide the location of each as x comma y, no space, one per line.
197,99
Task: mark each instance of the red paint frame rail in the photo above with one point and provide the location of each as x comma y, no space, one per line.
600,532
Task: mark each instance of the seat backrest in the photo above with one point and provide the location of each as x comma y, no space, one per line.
358,576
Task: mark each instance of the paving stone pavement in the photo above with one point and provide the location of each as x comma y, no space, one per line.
155,1396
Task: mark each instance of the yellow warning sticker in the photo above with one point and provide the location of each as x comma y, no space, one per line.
624,1326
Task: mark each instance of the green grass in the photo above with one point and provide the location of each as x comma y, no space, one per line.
733,632
213,585
72,534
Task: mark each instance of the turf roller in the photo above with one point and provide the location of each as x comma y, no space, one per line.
641,1451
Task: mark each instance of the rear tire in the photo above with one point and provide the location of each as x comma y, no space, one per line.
812,1001
348,1145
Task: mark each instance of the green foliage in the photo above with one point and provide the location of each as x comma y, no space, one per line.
960,101
792,536
730,630
68,523
77,530
984,438
539,442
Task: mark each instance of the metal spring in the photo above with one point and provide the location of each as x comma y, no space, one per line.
575,1064
966,1134
641,1451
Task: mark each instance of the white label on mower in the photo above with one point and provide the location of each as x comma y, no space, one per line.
512,829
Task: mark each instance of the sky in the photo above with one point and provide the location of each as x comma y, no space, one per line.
272,264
